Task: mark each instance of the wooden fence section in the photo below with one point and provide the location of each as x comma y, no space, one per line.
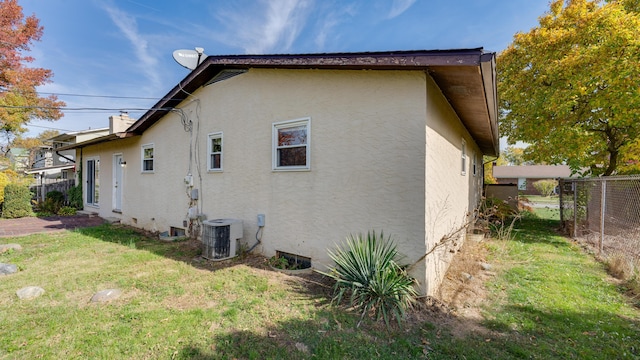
40,191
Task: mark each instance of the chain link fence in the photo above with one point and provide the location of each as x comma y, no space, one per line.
603,213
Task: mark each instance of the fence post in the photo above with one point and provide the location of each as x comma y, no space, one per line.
561,184
603,200
575,209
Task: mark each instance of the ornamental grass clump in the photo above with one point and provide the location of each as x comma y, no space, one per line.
367,269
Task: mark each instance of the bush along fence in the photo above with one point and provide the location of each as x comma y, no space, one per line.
63,186
603,213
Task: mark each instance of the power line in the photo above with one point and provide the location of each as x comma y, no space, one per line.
48,127
93,109
99,96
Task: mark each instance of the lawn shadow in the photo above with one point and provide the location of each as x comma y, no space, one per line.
592,334
71,222
327,337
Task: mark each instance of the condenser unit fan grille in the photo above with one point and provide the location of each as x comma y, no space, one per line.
217,241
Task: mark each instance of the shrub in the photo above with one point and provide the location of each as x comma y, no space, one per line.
75,197
278,262
55,196
493,208
4,181
17,201
546,187
67,211
497,217
367,268
52,202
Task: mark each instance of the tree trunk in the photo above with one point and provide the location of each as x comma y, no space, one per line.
613,163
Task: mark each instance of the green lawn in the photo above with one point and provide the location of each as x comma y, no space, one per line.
554,199
548,300
547,213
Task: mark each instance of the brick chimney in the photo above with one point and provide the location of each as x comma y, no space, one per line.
119,123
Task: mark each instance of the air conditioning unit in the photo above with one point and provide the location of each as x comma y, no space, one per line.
219,237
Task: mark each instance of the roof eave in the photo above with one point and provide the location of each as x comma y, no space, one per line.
481,120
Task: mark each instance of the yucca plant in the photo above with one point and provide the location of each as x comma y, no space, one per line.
367,268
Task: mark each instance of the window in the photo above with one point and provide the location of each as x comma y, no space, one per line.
215,152
93,183
464,158
147,158
522,184
475,164
291,149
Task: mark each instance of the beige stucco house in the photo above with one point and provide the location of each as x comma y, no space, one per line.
323,145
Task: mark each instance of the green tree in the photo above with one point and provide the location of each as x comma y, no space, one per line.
569,87
515,156
19,101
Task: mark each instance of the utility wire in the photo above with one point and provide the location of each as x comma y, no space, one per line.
81,108
99,96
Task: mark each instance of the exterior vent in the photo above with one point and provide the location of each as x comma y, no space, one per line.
225,74
219,237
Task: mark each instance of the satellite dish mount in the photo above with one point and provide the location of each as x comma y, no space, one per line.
189,58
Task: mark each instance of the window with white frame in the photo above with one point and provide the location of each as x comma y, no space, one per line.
147,158
93,183
463,162
215,152
291,148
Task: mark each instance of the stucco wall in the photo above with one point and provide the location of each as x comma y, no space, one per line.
375,136
450,195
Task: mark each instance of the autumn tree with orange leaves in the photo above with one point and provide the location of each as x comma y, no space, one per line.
19,101
570,87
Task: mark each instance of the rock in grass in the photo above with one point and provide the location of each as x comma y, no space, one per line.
29,292
485,266
7,269
106,295
7,247
302,347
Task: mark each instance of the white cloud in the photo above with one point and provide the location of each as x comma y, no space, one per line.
128,26
272,26
327,24
398,7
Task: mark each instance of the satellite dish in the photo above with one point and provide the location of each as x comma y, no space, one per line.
189,58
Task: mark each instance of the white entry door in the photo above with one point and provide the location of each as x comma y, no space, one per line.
117,182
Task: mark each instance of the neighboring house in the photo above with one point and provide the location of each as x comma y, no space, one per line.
43,157
524,176
18,158
52,165
324,145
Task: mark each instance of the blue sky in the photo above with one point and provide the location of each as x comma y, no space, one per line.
122,48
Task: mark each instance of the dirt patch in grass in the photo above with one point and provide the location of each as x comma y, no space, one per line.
458,304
